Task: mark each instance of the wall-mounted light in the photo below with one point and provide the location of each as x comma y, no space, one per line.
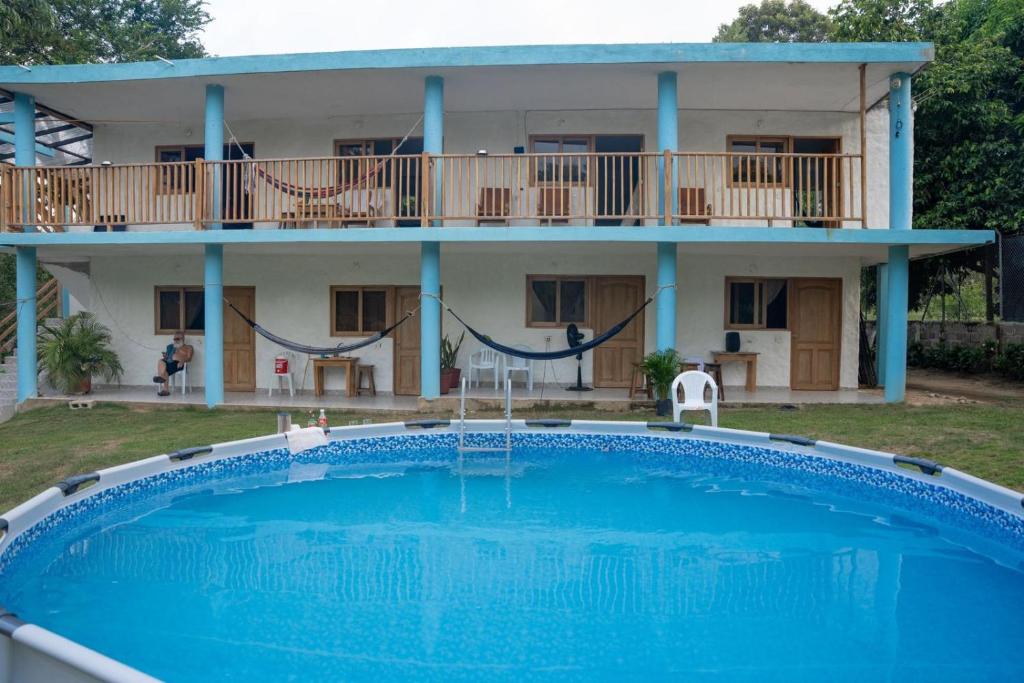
895,84
481,152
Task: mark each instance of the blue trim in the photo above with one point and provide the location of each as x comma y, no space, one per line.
213,346
430,320
65,303
213,143
665,304
896,325
901,153
25,284
881,314
454,57
40,149
668,132
954,238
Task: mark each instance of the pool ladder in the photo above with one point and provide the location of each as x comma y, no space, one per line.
463,448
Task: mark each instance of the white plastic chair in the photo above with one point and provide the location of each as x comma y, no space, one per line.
283,377
182,376
484,359
693,383
523,365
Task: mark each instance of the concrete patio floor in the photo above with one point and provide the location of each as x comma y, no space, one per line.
548,394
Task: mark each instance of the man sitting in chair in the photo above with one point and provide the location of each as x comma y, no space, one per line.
173,360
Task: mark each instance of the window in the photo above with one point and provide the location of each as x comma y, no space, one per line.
554,169
750,169
555,301
359,311
379,147
179,308
179,179
756,303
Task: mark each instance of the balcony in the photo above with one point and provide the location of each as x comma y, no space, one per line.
444,190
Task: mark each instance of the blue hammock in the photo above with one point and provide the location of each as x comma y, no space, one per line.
552,355
338,350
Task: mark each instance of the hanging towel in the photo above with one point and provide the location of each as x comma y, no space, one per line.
303,439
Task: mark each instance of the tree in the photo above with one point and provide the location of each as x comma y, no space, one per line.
79,31
882,20
775,21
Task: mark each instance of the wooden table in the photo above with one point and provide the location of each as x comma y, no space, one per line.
748,357
347,362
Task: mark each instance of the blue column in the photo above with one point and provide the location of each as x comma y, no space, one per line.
896,325
25,257
901,153
25,148
25,285
882,311
213,145
430,320
433,135
668,131
213,301
65,303
665,305
901,205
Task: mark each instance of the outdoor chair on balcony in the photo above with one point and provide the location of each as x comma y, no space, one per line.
494,206
553,205
693,202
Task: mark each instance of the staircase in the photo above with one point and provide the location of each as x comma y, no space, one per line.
47,304
8,387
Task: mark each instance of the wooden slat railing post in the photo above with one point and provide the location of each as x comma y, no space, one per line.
426,187
199,190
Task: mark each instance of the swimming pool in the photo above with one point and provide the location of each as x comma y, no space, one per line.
604,551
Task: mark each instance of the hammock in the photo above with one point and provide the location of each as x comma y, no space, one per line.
304,191
561,353
317,350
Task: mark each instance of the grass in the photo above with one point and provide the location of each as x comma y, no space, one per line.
42,446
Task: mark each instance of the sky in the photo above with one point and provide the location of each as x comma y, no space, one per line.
242,27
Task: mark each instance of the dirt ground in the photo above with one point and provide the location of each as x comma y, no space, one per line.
934,387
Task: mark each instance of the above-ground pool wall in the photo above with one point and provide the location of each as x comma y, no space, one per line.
484,284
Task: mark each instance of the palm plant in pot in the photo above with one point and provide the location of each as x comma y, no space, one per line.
74,351
661,368
450,374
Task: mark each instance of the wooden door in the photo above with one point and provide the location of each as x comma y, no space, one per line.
239,340
816,323
407,343
613,299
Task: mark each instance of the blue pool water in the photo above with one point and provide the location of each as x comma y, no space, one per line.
558,564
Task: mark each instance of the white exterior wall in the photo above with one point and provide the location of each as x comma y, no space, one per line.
488,288
501,131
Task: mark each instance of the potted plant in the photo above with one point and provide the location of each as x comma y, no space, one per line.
450,374
74,351
661,367
409,211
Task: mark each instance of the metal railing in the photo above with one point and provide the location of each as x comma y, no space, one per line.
814,190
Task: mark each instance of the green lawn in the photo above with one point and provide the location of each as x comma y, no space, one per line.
42,446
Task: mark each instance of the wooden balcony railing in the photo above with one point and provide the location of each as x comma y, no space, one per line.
817,190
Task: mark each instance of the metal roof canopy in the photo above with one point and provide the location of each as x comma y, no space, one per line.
61,140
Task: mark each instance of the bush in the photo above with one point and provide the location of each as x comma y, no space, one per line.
969,359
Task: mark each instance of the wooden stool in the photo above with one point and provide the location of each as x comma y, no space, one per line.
638,383
713,369
367,372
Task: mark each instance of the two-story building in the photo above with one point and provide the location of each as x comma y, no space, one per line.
746,185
